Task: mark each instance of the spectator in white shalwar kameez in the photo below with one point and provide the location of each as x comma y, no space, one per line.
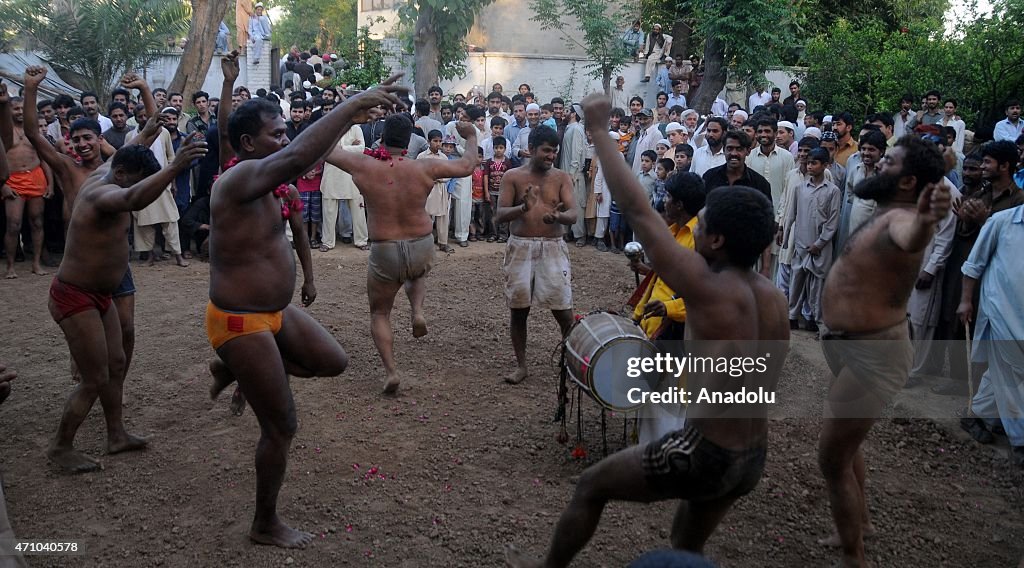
161,213
813,219
573,156
259,31
603,196
926,300
337,186
999,334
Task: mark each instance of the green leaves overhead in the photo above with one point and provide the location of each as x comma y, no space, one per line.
449,21
600,25
99,39
324,23
866,67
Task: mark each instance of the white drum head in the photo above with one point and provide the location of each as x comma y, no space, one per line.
608,370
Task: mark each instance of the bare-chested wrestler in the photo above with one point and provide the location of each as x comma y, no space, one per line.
864,307
30,182
401,239
85,137
716,459
95,260
259,336
538,200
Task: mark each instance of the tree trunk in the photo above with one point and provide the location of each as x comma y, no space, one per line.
714,75
682,32
202,36
606,81
426,57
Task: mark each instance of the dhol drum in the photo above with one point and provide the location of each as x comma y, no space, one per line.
597,351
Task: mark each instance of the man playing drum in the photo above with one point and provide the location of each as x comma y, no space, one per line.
720,455
538,200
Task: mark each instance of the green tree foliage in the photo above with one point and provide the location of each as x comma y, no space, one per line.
867,67
601,33
438,40
821,15
327,24
365,62
745,36
98,39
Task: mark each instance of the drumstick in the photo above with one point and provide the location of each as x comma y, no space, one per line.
970,378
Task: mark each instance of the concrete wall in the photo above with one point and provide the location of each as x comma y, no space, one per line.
503,26
160,72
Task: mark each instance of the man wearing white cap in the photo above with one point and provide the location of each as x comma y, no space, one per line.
259,31
657,47
739,116
521,146
786,137
677,134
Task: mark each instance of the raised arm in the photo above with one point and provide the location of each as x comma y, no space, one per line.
6,119
150,131
913,235
314,143
147,191
229,66
465,165
60,163
683,269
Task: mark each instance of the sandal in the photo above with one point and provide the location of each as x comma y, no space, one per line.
446,248
314,244
187,255
164,256
491,239
976,428
363,247
324,248
472,238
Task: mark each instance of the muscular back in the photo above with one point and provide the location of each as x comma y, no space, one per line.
748,319
870,283
395,193
550,185
252,266
96,253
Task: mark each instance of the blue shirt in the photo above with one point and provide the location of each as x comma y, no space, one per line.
512,132
995,260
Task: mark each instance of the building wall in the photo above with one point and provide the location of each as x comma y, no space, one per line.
503,26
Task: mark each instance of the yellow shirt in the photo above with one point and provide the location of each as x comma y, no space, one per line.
659,290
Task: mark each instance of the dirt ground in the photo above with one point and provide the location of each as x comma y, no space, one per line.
456,466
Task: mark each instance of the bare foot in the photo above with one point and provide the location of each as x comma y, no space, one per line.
391,383
419,326
222,377
517,377
834,542
516,559
280,534
237,402
72,461
38,270
127,443
181,261
10,274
